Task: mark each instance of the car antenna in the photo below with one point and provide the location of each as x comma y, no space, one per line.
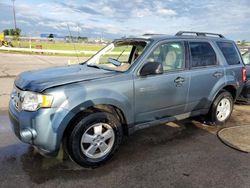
73,44
121,53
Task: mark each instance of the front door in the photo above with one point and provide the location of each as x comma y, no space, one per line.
163,95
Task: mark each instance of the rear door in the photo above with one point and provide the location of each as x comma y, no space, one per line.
205,71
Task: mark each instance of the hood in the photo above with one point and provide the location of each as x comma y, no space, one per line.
41,80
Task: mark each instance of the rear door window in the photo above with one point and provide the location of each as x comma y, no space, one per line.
202,54
230,53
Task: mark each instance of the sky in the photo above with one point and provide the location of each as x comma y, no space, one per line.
118,18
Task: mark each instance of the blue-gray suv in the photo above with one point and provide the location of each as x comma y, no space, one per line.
130,84
245,94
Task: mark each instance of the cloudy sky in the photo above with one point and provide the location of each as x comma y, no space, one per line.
116,18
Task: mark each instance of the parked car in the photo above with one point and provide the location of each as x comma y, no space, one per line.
130,84
245,94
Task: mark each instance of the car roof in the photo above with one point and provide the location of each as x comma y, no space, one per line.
181,35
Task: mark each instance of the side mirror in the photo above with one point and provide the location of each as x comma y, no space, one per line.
151,68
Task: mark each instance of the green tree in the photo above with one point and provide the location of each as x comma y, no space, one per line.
13,32
51,36
82,38
17,32
6,32
243,43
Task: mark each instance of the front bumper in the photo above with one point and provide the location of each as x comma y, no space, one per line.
43,129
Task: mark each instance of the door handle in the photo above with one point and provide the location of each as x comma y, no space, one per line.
179,80
218,74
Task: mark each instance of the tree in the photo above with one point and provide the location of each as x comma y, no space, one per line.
17,32
243,43
51,36
13,32
82,38
6,32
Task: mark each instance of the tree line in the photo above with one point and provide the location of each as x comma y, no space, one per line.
12,32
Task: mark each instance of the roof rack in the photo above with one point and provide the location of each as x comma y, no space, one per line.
151,34
203,34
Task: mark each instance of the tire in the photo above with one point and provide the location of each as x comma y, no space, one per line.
94,139
218,116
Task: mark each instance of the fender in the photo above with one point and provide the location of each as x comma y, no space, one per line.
222,84
122,104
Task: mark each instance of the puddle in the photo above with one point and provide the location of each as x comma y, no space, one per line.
236,137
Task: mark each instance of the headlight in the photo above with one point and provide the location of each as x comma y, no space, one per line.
33,101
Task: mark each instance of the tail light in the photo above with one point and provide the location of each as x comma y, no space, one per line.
244,74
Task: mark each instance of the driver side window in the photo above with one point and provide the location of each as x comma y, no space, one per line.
171,55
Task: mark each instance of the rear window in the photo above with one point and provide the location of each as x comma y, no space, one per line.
230,53
202,54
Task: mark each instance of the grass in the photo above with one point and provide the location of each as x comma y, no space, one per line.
48,54
68,46
55,46
61,46
58,46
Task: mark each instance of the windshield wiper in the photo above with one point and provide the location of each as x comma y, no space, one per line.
95,66
83,63
101,67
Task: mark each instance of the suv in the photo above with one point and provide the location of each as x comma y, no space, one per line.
245,94
130,84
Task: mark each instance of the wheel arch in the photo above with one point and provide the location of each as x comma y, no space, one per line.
229,88
232,90
88,108
116,111
212,119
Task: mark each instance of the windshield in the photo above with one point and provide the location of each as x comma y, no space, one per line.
246,58
118,55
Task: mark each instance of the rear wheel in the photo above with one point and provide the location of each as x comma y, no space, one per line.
221,108
94,139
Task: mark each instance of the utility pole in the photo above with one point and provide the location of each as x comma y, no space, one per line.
78,29
14,13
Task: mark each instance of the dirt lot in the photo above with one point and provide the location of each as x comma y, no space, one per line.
181,154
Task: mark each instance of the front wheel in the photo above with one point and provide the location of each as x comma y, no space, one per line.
94,139
221,108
